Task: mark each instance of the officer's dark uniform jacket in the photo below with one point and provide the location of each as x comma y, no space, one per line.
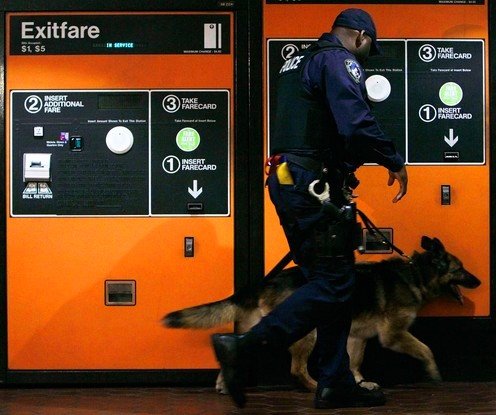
322,108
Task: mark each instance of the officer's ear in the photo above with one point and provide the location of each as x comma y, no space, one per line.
360,38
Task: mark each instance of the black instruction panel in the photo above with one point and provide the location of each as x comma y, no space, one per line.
434,113
119,153
391,113
190,152
446,101
79,153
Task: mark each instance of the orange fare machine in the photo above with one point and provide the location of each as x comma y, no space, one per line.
125,129
437,113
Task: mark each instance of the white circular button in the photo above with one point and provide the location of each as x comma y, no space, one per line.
119,140
378,88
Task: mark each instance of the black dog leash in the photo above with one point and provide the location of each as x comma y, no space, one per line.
372,228
280,265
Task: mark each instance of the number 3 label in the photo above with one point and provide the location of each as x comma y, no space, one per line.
171,103
427,53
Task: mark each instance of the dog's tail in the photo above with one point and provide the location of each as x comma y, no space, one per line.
203,316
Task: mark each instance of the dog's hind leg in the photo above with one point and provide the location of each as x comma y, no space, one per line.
405,342
300,352
247,319
356,350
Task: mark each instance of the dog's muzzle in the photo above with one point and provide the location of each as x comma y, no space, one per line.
467,280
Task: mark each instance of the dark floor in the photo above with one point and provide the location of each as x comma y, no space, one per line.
446,398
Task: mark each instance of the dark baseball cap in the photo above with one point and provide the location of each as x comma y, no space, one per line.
359,19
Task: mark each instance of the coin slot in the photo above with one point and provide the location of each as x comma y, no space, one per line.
120,292
374,244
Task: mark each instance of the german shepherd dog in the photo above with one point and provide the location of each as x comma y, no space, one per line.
388,295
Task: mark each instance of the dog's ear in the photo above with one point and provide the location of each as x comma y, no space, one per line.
426,243
432,245
438,245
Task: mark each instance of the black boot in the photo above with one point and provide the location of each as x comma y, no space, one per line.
233,353
348,397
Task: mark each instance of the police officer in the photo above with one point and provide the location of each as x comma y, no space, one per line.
324,131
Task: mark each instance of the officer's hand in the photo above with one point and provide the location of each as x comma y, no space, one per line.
402,178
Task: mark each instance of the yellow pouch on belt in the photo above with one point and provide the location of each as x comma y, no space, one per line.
283,174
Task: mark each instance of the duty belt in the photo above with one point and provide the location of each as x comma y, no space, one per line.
306,163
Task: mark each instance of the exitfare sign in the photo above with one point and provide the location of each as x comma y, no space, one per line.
111,34
54,30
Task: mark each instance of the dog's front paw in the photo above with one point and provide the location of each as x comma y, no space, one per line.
220,386
432,381
221,389
368,385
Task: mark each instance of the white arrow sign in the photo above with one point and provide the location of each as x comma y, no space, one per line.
452,140
195,192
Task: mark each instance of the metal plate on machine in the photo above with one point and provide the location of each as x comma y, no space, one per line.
373,242
120,292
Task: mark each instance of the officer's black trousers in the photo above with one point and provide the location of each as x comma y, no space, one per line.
324,302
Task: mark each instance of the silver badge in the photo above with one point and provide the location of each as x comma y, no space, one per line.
353,69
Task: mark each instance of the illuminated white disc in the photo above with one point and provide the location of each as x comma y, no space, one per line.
119,140
378,88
